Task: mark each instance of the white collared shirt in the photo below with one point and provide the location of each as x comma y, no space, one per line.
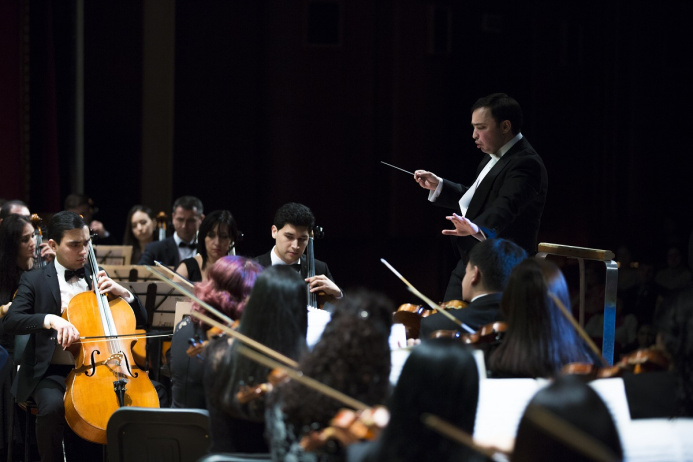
184,252
469,194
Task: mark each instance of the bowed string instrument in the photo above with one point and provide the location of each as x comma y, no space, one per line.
36,220
316,300
347,426
105,377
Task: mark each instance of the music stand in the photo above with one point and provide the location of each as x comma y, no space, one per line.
113,254
160,300
129,273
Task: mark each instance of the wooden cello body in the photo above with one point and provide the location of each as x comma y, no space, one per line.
105,376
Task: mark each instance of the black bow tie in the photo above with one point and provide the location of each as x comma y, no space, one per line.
69,274
188,246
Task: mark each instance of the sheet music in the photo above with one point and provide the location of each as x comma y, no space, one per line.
613,393
655,440
501,405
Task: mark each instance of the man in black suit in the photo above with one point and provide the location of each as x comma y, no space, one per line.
291,230
186,217
508,196
41,298
487,272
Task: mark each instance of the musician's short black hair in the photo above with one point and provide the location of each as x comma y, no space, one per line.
294,214
188,203
62,222
502,107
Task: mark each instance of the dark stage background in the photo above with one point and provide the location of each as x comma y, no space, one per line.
298,100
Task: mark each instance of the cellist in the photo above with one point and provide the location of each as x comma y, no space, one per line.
291,229
37,307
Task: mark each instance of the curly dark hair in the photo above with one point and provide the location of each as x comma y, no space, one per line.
352,356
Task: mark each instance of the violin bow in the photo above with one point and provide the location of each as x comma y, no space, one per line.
223,327
456,434
173,274
427,300
569,434
581,332
297,375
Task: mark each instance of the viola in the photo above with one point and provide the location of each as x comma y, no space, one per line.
105,377
197,345
248,393
349,427
637,362
489,333
410,315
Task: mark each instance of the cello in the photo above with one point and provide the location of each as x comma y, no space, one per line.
316,300
105,376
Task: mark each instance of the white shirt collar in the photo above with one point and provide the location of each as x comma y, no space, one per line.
278,261
506,147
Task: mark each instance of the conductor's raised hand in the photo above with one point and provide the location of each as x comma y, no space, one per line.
463,227
426,180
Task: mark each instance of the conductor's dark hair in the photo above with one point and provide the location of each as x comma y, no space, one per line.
188,203
496,259
502,107
574,402
64,221
294,214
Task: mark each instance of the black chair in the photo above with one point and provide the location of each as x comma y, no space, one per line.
157,435
235,457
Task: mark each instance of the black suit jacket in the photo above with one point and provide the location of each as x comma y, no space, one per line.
165,252
38,295
320,266
484,310
508,202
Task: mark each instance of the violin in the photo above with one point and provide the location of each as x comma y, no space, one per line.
197,345
638,362
105,377
249,393
410,315
489,333
349,427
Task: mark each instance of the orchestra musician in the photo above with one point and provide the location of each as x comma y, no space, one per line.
352,356
667,393
217,236
440,377
291,230
186,217
14,206
140,230
227,289
506,199
83,205
574,402
487,272
42,297
539,339
275,316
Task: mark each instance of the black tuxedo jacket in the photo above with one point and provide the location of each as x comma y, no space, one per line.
38,295
320,266
509,201
484,310
165,252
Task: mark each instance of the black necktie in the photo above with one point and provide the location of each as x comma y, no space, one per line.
188,246
69,274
